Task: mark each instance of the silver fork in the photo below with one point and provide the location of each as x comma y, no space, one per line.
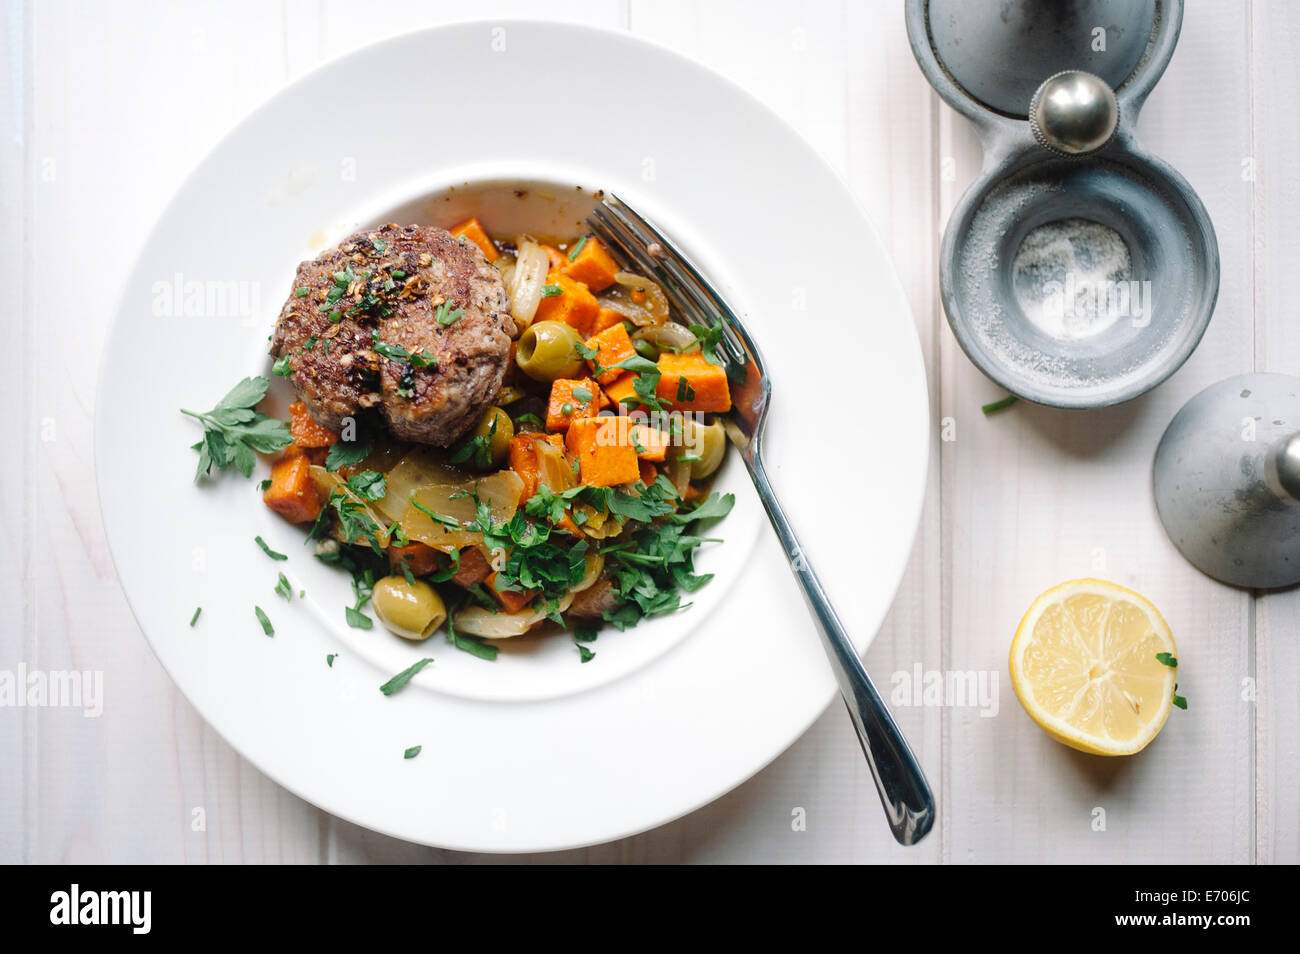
903,789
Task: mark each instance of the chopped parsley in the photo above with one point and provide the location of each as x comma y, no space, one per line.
268,551
368,485
399,681
451,523
478,448
709,337
346,454
195,618
355,523
393,352
646,385
447,314
301,292
329,660
1002,405
473,645
412,752
264,620
282,367
577,248
283,588
550,291
1167,659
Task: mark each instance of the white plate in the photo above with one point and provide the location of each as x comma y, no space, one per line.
535,751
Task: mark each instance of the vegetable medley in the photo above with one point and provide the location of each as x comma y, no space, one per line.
577,501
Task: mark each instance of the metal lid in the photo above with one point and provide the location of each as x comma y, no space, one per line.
1000,60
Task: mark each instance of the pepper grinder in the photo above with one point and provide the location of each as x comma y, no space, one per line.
1227,480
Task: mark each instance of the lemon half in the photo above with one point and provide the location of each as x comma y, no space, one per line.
1084,666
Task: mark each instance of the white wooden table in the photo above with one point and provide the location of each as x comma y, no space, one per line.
107,106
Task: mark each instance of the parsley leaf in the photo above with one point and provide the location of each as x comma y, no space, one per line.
357,619
346,454
478,448
399,681
234,432
368,485
451,523
412,752
264,620
268,551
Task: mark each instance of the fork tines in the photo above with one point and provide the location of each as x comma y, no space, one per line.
649,250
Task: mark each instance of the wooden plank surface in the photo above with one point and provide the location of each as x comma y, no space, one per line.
99,134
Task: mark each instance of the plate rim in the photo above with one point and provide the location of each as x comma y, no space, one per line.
911,520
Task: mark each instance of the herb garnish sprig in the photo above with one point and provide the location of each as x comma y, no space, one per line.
235,433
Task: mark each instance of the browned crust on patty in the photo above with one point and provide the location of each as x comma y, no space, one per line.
330,344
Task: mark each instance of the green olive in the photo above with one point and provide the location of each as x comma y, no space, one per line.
548,350
411,610
499,442
708,442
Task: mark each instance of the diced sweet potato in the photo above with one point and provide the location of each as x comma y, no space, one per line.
293,493
511,600
473,230
605,458
575,305
607,318
688,382
569,525
612,345
572,399
593,266
649,473
523,460
421,558
473,568
306,432
650,442
623,391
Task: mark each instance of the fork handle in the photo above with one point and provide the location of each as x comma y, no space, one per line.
904,792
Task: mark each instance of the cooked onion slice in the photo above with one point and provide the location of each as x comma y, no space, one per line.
619,298
480,621
526,281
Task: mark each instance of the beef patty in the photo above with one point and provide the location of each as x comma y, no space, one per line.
409,323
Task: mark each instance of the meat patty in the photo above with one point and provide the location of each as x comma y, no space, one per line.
409,323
